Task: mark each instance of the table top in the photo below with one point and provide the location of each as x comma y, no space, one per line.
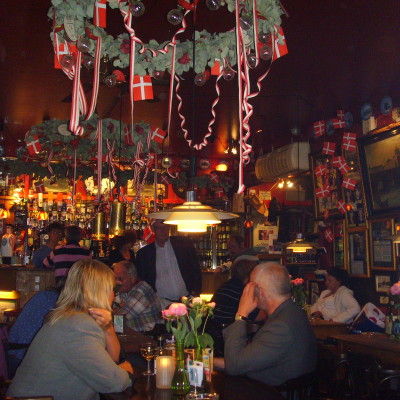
228,388
374,340
323,323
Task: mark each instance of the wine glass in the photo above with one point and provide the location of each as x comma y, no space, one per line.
148,351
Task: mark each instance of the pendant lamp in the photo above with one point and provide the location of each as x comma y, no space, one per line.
299,245
192,216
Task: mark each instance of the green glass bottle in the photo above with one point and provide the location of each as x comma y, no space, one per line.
180,383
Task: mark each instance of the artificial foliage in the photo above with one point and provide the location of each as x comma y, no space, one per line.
209,46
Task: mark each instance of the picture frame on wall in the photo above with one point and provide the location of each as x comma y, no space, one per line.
358,260
329,183
382,283
381,244
380,160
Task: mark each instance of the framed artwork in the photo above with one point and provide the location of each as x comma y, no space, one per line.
381,244
357,245
382,283
338,244
380,161
327,186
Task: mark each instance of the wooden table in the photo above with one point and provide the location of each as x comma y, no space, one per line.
131,341
378,345
324,329
228,388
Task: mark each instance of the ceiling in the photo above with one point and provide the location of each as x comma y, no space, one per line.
342,53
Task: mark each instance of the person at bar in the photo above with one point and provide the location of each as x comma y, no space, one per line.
74,355
284,347
123,248
169,265
62,258
135,299
336,303
55,231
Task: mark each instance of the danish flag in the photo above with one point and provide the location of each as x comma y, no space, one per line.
328,235
216,69
142,88
128,136
62,51
39,186
34,147
329,148
214,177
219,193
322,191
157,134
344,168
321,170
100,13
349,183
338,161
340,114
349,145
148,235
151,159
164,179
338,123
319,128
279,49
349,136
341,205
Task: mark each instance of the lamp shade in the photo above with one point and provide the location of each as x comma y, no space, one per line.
299,245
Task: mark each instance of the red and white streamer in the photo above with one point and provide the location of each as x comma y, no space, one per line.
74,183
99,137
111,148
49,163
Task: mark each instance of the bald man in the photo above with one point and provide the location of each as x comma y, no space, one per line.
285,346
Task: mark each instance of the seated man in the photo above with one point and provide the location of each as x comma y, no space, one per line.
285,346
136,299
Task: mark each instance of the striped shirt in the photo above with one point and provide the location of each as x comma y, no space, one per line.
62,258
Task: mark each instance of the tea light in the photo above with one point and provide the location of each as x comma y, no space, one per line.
165,366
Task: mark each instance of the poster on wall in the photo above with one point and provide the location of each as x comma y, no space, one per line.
266,236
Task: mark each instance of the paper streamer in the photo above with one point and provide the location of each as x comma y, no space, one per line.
99,137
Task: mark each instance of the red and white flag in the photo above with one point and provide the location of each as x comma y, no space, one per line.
321,170
344,168
62,51
34,147
329,148
326,214
279,49
338,161
151,159
319,128
340,114
216,69
328,235
341,205
338,123
157,134
349,183
128,136
349,136
164,179
142,88
322,192
148,235
219,193
100,13
39,186
214,177
349,145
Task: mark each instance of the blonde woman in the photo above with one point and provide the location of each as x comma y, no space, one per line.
74,355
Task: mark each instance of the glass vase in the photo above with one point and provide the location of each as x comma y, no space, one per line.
180,383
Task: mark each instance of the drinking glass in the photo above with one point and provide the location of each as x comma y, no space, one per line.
148,351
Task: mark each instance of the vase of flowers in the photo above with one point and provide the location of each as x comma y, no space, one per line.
176,316
298,292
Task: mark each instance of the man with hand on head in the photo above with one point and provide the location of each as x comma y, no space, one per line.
169,265
285,347
136,299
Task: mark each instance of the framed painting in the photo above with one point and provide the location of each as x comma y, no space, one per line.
357,245
382,283
327,182
380,160
381,244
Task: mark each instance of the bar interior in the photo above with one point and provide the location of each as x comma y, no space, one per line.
215,184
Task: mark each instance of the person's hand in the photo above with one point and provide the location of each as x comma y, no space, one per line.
317,314
102,317
248,301
219,363
126,365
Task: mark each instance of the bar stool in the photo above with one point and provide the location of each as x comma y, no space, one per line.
387,382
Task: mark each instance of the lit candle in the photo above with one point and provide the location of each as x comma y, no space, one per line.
165,366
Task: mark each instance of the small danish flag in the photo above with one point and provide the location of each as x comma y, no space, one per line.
100,13
341,205
279,49
148,235
319,128
328,235
157,134
34,147
329,148
164,179
322,192
344,168
216,69
321,170
338,161
39,186
62,51
142,88
214,177
349,136
338,123
219,193
349,145
340,114
349,183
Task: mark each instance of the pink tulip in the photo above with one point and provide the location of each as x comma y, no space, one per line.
211,305
395,289
197,300
166,314
177,309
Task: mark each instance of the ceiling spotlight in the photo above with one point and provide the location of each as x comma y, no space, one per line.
222,166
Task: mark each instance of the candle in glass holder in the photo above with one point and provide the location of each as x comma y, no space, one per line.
165,366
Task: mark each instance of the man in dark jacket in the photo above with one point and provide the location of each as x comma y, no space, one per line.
169,265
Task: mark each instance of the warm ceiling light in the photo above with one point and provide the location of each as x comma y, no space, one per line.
281,184
192,216
289,184
222,166
299,245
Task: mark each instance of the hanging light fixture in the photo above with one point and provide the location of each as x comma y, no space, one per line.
192,216
299,245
